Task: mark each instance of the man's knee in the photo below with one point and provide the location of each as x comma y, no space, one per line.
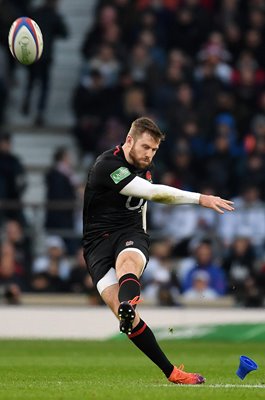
129,262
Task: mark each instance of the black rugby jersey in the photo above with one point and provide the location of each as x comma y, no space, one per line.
105,209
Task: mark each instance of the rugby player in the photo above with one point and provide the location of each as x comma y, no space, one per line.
115,240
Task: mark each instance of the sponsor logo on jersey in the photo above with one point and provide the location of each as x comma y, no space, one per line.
129,243
119,174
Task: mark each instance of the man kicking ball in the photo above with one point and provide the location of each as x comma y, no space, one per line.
116,245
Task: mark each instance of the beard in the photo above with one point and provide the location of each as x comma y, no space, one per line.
140,163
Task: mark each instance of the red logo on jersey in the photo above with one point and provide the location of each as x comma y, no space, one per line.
148,176
116,151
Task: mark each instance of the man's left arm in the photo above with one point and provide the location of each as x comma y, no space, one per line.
141,188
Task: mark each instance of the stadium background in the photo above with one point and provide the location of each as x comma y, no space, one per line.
197,68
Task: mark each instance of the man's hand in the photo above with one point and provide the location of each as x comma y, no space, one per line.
216,203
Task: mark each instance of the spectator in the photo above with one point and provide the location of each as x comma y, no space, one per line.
106,63
53,27
220,165
216,57
51,271
252,171
233,39
164,92
166,219
147,38
78,275
207,85
197,143
227,12
111,26
61,196
249,216
12,181
183,165
134,104
252,294
90,107
107,17
225,125
126,16
88,99
247,80
204,262
161,285
255,140
206,220
200,289
226,102
114,133
254,44
22,244
189,28
182,108
156,16
142,68
239,265
12,279
61,182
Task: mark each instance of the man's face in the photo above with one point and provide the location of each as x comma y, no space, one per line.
143,150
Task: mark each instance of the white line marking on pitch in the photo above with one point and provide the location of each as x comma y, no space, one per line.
235,386
224,386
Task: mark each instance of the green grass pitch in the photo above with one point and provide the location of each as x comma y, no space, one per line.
116,370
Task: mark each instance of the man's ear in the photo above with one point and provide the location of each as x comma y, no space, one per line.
129,140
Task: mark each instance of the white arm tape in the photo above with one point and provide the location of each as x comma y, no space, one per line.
143,189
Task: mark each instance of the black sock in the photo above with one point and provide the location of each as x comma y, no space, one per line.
144,339
129,287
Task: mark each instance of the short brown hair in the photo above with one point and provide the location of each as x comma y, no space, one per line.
144,124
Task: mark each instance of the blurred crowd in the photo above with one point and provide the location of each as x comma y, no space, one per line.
196,67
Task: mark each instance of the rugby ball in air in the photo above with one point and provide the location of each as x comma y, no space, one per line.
25,40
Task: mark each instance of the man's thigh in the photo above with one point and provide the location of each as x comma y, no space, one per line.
102,254
137,241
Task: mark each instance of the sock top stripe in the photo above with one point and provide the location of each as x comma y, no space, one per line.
137,333
130,279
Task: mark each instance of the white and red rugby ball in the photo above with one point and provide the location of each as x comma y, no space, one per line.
25,40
